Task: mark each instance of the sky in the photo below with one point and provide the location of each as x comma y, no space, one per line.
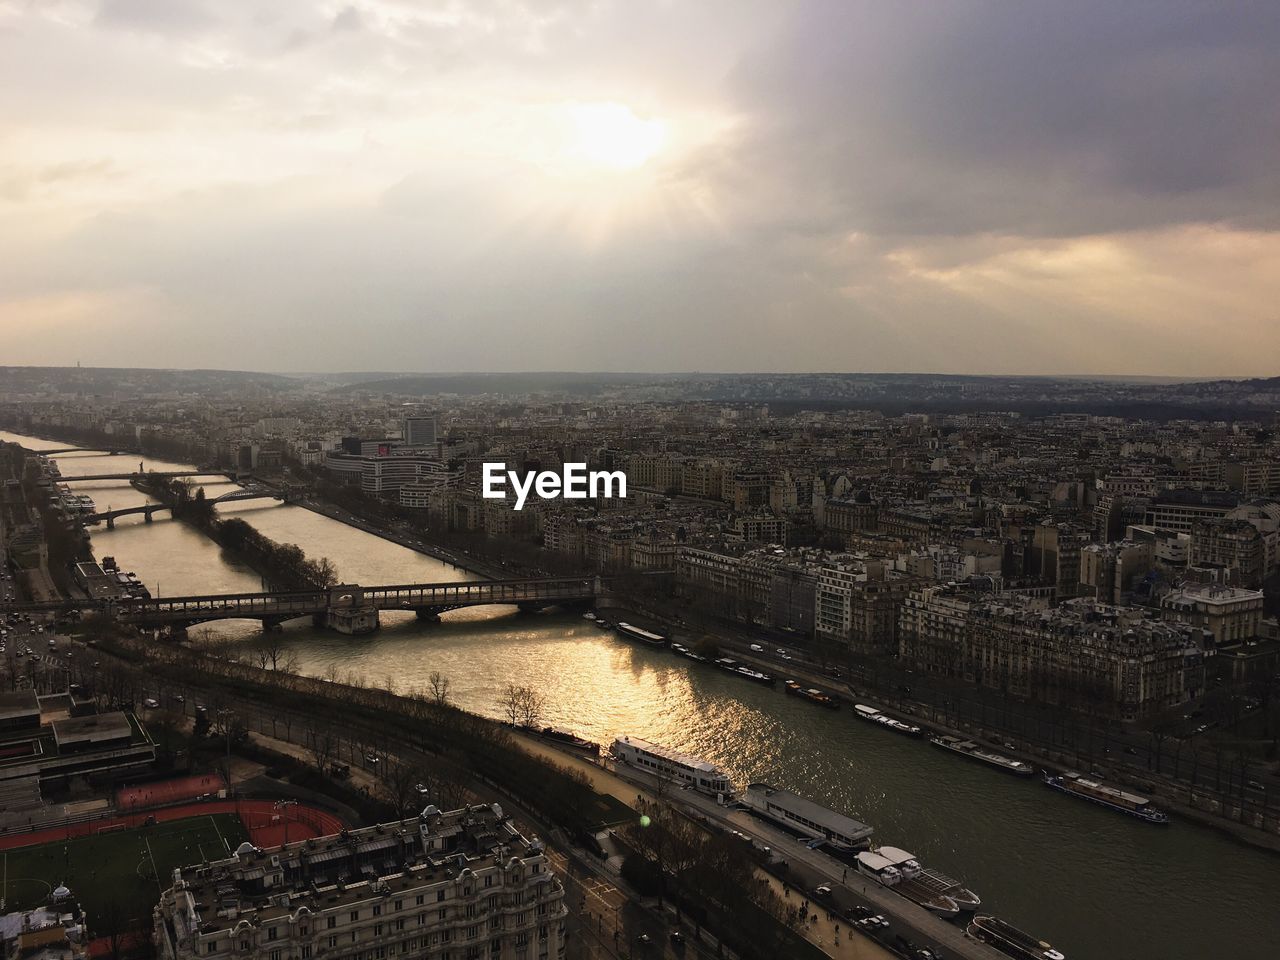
717,185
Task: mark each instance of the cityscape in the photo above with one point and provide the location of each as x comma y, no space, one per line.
577,480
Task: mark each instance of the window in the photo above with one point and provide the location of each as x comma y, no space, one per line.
399,904
421,900
488,881
306,952
271,933
355,915
331,922
439,896
377,929
276,955
213,947
333,941
377,909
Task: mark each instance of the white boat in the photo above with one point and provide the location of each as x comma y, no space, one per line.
692,772
864,712
896,868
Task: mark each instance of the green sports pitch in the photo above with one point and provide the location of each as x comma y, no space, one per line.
116,871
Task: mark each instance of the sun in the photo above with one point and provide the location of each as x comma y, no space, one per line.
610,135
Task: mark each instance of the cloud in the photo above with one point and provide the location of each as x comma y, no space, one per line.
965,186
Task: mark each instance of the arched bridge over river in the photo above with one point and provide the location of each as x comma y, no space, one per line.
348,607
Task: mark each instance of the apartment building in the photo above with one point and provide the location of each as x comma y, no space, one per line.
1230,614
457,885
1085,655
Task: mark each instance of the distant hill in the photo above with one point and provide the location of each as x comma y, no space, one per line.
24,380
473,384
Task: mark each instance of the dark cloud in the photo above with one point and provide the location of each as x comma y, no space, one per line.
1053,119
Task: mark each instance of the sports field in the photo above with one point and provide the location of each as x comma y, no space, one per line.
117,868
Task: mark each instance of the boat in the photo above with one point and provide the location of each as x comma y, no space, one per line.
862,711
843,834
566,738
1112,797
974,751
903,873
742,670
680,650
1009,940
639,633
588,616
811,694
689,771
932,890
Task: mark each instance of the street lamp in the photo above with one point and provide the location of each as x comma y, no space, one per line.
283,805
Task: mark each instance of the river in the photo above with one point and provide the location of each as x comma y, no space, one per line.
1098,885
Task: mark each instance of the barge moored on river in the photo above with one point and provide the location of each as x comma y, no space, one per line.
1009,940
843,834
1111,797
639,633
864,712
812,694
974,751
689,771
741,669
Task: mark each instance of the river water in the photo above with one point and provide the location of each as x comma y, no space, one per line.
1098,885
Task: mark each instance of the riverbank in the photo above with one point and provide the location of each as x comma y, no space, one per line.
481,568
1134,779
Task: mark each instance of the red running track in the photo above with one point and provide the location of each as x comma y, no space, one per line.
265,822
160,792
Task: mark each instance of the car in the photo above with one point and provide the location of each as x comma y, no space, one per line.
780,651
677,936
643,938
822,891
151,703
859,912
756,648
1254,785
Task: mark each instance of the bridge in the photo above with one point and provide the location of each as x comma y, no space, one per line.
159,474
148,510
110,451
347,608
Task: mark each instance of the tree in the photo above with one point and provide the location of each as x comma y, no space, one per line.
532,704
111,923
510,703
323,743
439,688
400,786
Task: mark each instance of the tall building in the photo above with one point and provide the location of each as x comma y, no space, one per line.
420,431
461,884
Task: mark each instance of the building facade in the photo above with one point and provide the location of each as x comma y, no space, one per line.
458,885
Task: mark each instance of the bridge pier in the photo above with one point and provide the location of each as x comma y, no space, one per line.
111,523
353,621
429,614
146,515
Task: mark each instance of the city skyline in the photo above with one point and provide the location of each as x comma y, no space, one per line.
970,189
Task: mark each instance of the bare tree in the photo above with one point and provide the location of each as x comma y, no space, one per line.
400,786
322,740
510,702
532,704
439,688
